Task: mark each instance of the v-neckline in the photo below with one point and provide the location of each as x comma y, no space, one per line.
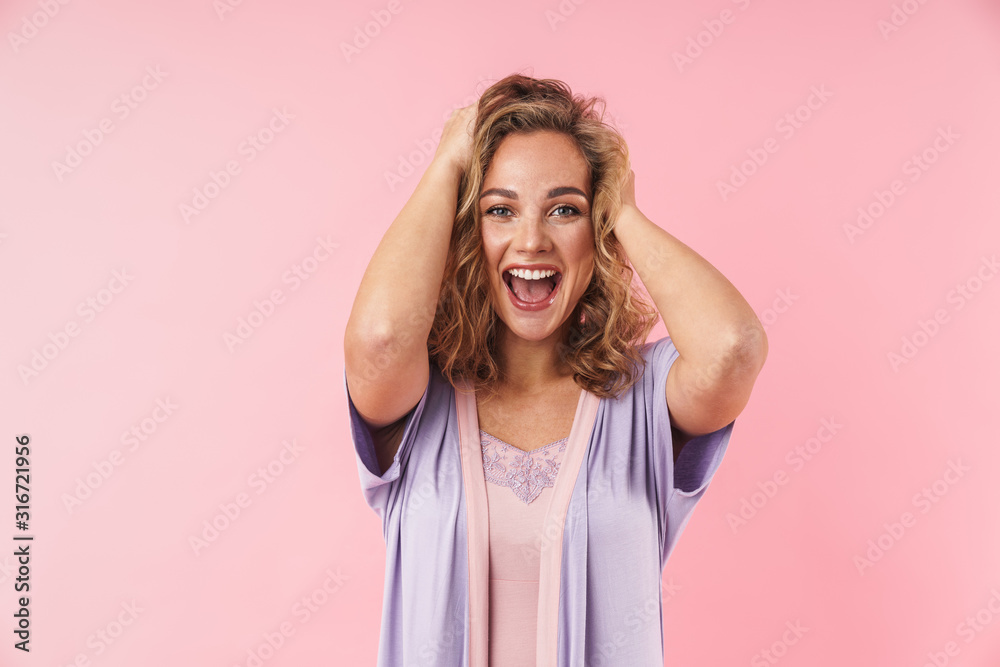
529,452
477,525
579,402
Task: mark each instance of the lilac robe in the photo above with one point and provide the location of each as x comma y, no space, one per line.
619,505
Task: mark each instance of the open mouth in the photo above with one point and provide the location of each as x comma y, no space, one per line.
530,290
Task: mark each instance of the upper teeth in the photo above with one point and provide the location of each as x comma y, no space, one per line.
532,275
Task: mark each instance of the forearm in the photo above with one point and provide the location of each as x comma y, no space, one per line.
708,320
398,294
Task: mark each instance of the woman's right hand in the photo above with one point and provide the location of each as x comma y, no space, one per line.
455,146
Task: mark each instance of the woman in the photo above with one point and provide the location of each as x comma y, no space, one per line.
510,422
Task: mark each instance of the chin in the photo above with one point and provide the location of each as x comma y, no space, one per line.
535,331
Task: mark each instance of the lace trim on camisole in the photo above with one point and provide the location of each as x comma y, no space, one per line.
526,473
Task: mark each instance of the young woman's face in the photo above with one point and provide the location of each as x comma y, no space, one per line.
535,208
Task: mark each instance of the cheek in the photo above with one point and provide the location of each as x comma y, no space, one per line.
489,240
491,257
583,248
493,246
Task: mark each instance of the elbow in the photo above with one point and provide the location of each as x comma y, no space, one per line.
364,344
748,347
367,334
380,348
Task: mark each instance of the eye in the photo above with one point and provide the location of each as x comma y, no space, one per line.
495,210
572,210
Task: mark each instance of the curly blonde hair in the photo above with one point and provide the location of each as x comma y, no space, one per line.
602,346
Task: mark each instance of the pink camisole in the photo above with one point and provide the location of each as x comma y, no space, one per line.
518,491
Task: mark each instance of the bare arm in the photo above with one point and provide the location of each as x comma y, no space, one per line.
721,343
385,340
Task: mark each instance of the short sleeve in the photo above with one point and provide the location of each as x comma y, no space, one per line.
679,486
378,489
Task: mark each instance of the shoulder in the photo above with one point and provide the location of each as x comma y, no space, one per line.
653,359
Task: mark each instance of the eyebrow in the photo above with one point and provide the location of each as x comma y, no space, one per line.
554,192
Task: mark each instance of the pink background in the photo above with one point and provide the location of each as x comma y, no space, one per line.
835,308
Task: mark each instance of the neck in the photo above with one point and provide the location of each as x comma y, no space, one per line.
531,366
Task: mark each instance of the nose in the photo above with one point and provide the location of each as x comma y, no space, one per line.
532,234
